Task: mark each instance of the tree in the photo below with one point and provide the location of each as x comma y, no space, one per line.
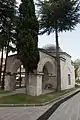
27,37
76,67
1,49
20,78
7,27
58,16
76,74
1,65
2,36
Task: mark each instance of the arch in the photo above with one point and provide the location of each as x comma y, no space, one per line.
45,77
12,65
45,60
49,78
15,65
49,67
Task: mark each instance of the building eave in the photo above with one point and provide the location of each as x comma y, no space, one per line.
45,51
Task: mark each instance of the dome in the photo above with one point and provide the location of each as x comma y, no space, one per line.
77,62
51,48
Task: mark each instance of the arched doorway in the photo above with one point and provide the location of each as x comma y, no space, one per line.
13,65
20,77
49,78
45,77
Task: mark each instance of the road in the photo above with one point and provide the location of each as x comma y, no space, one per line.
22,113
69,110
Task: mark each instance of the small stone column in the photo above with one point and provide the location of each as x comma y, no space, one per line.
32,87
13,82
39,83
35,84
10,82
7,83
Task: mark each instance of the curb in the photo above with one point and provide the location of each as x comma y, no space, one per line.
56,100
51,110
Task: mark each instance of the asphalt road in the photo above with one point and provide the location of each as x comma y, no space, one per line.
22,113
69,110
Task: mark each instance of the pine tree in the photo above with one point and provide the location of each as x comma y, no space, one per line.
7,27
58,16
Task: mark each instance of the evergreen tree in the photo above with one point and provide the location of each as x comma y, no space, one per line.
1,62
58,16
76,67
27,37
7,28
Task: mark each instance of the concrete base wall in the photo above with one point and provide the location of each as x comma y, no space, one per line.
35,85
10,83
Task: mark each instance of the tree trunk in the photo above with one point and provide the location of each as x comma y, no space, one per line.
20,77
5,66
26,81
1,66
58,62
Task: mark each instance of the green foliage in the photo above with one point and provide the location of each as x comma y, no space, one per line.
27,99
7,16
7,30
63,12
76,70
27,35
76,75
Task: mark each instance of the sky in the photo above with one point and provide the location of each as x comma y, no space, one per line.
68,41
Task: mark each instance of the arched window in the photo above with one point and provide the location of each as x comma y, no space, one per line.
69,79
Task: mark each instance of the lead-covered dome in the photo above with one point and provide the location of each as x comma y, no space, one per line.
77,62
51,48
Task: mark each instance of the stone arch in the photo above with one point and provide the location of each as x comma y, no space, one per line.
12,65
43,61
47,66
15,65
49,78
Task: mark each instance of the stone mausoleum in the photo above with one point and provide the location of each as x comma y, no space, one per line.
44,78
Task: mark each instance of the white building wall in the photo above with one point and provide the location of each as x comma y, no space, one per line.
67,68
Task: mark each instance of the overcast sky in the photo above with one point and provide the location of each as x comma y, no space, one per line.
69,41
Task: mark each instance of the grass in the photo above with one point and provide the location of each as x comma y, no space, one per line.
27,99
77,86
4,92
